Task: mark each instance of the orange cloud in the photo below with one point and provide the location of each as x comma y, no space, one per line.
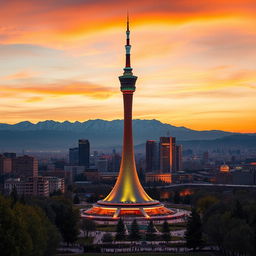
62,89
20,75
54,22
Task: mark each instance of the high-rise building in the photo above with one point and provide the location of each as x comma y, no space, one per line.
128,200
152,156
25,166
73,156
167,154
84,153
178,162
5,165
170,155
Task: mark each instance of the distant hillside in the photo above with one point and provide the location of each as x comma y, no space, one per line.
228,142
51,135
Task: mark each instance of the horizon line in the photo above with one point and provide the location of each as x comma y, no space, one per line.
72,122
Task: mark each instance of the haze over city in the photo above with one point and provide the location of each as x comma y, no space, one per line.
195,61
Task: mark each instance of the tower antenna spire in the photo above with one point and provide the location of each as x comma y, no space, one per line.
127,68
127,21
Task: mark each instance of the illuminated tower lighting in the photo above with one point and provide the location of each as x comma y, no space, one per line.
128,199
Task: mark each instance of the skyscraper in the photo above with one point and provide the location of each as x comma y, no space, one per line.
73,156
167,152
178,162
128,199
84,153
152,156
170,155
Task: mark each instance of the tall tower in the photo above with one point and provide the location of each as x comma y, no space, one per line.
127,187
128,199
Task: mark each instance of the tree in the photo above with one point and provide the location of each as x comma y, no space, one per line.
15,240
150,235
34,224
193,234
186,199
87,226
56,193
107,238
120,230
66,219
232,235
53,239
238,211
176,198
22,199
204,203
70,229
14,195
254,233
26,231
238,240
166,236
76,199
135,231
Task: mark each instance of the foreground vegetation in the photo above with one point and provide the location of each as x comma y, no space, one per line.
144,254
38,226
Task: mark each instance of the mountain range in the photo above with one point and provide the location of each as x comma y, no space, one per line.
102,134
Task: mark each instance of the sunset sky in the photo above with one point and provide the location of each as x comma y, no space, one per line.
195,61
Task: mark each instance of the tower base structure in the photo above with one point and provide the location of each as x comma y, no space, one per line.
109,213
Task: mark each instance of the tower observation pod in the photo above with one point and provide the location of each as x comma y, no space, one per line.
128,199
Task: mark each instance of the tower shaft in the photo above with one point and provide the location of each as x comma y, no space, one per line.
128,188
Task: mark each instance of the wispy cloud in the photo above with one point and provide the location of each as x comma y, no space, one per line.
62,88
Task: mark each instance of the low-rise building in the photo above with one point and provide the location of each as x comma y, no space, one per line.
34,186
182,177
55,184
158,177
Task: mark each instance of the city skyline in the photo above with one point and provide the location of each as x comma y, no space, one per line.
194,62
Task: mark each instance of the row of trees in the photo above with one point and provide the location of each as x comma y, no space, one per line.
135,235
88,225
